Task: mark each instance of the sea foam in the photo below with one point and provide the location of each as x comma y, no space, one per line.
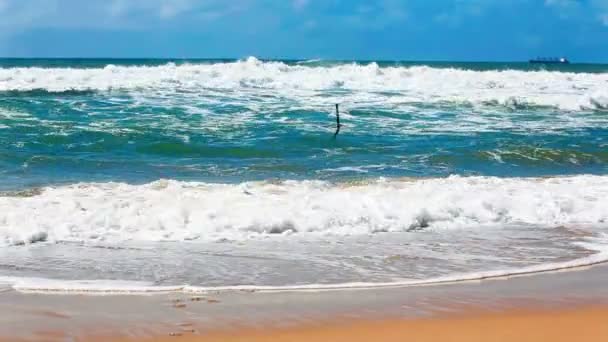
415,84
177,211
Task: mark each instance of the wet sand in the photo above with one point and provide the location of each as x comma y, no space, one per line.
554,306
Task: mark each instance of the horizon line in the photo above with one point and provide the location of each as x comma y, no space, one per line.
285,59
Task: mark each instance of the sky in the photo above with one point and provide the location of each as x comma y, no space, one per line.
463,30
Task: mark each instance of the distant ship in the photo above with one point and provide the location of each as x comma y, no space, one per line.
540,60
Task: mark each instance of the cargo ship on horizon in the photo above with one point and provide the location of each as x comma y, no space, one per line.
543,60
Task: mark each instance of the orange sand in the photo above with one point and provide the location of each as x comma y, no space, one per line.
586,324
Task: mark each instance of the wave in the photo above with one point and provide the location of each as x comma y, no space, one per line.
188,211
117,287
526,155
534,155
353,82
39,92
315,61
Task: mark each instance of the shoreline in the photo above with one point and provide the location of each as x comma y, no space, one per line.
153,317
86,287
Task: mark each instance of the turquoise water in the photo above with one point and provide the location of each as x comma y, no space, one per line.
144,173
62,130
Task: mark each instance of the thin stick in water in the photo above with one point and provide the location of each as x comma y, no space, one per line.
338,125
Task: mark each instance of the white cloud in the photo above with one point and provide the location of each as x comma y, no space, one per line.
596,10
460,10
171,9
164,9
300,4
310,25
566,9
15,15
473,7
560,3
601,6
375,15
449,19
20,15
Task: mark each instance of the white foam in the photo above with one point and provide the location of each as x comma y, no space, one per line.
85,286
176,211
570,91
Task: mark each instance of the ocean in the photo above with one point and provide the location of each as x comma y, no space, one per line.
189,175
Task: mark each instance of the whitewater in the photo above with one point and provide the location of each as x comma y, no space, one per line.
145,176
178,211
568,91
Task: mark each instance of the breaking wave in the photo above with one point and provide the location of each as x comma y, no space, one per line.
365,83
178,211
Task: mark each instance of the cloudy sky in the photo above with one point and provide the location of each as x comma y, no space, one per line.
329,29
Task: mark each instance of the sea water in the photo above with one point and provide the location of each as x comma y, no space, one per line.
153,175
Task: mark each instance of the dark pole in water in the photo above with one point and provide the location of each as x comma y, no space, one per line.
338,125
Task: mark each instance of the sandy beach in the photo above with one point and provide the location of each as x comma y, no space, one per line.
555,306
585,324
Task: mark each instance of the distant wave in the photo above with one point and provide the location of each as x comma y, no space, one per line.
44,92
367,83
531,156
310,61
176,211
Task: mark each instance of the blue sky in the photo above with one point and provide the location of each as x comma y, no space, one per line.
329,29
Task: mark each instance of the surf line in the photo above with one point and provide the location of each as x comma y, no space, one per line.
338,125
